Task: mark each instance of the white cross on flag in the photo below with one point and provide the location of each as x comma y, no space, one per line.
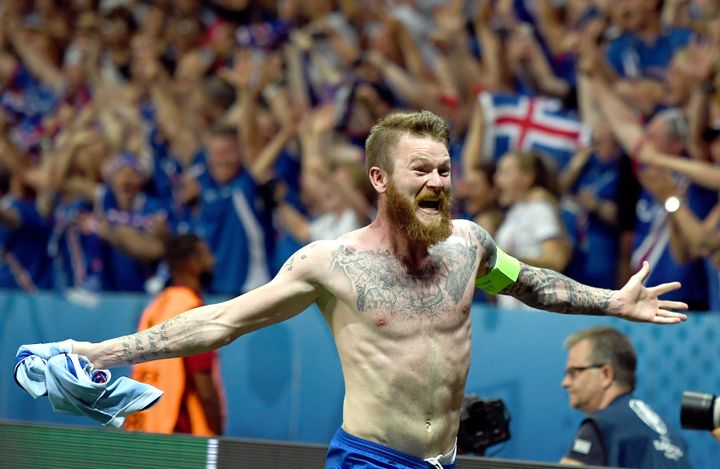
530,123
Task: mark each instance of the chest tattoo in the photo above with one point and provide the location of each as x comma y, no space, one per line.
382,282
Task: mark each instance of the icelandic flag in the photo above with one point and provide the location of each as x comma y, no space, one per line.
530,123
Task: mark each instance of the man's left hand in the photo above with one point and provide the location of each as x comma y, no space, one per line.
636,302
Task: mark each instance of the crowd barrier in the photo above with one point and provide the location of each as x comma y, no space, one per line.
284,383
63,447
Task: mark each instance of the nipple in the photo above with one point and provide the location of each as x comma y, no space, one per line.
380,322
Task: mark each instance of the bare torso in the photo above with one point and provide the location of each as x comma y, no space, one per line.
403,337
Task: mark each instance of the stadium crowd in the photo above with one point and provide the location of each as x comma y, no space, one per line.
585,133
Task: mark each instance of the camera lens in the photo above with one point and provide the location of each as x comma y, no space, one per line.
699,411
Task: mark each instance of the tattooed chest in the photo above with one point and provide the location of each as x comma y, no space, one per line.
379,282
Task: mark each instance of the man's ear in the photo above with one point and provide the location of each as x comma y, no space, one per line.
608,375
379,179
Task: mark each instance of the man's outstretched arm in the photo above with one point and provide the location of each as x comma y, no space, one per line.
212,326
552,291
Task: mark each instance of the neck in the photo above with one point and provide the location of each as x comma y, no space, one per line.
411,253
186,280
613,392
124,203
650,31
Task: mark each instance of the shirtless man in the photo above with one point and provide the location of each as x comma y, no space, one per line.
396,295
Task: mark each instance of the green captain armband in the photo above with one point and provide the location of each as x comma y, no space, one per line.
505,272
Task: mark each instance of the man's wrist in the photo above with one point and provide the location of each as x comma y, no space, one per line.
614,305
79,348
84,349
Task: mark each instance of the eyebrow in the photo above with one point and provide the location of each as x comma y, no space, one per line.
424,159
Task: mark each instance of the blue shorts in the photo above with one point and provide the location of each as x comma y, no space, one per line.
347,451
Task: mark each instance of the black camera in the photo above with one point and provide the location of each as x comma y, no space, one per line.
483,423
699,411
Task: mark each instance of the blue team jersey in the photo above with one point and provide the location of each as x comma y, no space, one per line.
287,172
24,262
234,223
652,243
25,102
166,171
632,58
77,256
595,238
122,272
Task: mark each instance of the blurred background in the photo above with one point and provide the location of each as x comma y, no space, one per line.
125,121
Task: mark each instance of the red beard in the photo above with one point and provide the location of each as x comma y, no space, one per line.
402,216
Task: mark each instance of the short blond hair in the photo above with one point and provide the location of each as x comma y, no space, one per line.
387,132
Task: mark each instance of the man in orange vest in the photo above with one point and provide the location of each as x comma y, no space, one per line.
192,400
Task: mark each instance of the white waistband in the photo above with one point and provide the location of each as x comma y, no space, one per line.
447,458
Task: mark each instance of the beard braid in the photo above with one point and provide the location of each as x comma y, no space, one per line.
403,218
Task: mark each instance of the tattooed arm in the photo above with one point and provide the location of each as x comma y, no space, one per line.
550,290
209,327
547,289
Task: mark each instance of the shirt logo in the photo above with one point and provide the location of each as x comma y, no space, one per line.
648,416
667,448
582,446
653,420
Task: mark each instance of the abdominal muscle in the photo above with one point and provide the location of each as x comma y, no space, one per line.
404,383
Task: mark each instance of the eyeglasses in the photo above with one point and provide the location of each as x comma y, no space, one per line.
573,371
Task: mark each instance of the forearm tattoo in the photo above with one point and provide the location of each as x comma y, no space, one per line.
155,343
382,282
547,289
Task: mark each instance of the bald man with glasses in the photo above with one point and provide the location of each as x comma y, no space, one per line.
619,430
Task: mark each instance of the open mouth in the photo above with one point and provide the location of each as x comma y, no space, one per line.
430,205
